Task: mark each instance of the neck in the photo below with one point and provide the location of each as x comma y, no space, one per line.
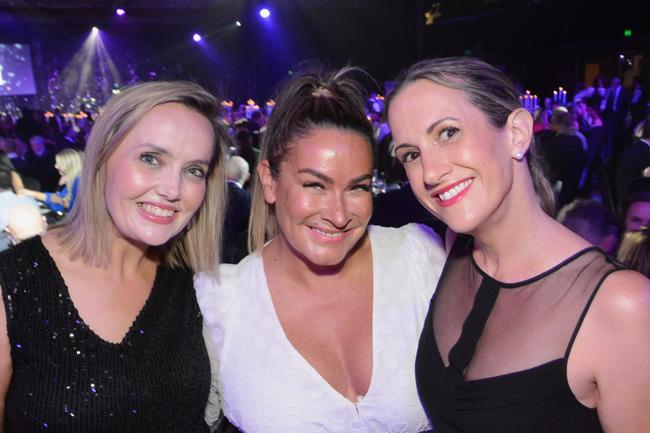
129,258
507,245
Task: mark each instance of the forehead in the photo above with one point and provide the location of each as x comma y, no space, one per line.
174,127
640,208
423,101
331,144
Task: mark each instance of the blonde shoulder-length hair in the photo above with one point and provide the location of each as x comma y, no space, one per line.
86,231
70,162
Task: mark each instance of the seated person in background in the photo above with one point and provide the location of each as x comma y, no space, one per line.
564,154
41,162
25,220
238,211
633,160
6,166
635,251
9,200
592,221
68,164
637,213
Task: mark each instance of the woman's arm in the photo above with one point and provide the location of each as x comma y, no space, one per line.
17,181
40,196
46,197
618,352
5,363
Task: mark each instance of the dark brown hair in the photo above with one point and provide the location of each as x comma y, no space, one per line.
314,98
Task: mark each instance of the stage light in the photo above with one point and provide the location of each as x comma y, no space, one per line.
197,37
265,13
120,11
94,30
627,33
238,23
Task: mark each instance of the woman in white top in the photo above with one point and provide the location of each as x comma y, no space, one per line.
316,330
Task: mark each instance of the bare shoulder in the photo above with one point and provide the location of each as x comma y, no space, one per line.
617,333
624,297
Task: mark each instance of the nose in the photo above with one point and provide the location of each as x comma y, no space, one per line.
169,186
335,210
434,167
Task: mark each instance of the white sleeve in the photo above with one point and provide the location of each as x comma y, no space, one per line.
426,254
214,296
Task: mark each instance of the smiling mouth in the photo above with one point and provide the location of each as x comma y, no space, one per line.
156,211
331,235
453,192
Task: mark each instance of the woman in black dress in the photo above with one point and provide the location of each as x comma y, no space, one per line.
100,330
531,329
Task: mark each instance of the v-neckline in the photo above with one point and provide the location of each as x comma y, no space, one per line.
82,323
308,367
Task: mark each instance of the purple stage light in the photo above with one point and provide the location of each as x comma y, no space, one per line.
120,11
197,37
94,30
265,13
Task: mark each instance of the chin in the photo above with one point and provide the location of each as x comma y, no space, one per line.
325,259
157,240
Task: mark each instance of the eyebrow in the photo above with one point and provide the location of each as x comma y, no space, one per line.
165,152
429,130
438,122
329,180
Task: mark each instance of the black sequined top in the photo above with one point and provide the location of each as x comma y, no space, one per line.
67,379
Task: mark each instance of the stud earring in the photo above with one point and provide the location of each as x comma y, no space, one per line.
519,155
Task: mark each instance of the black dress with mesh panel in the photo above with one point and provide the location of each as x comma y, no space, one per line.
495,359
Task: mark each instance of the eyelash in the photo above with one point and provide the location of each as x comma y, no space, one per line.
152,160
365,188
320,186
412,155
193,171
409,156
450,130
149,159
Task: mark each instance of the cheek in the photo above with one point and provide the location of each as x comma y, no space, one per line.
195,194
361,206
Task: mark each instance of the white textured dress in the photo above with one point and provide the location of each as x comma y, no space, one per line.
262,382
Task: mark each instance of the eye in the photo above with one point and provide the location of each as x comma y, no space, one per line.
196,171
360,187
408,156
149,159
448,132
313,185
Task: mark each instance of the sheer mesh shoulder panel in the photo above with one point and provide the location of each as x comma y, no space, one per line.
485,328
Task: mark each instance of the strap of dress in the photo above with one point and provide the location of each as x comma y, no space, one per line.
461,354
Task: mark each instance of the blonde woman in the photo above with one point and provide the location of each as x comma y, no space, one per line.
100,330
68,164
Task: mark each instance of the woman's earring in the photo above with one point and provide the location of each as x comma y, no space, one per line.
519,155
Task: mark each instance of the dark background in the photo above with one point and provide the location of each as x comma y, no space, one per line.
542,43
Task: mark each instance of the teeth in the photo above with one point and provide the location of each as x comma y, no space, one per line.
448,195
155,210
328,234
